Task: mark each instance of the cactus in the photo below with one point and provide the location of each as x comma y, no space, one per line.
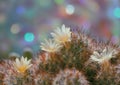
69,58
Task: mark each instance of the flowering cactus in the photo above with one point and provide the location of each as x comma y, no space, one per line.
69,58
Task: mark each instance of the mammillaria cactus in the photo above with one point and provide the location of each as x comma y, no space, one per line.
70,77
69,58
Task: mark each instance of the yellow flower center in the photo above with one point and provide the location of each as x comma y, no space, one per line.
22,69
64,38
52,49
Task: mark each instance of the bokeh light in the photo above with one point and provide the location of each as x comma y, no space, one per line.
117,12
29,37
14,54
70,9
2,18
26,23
59,1
15,29
44,3
20,10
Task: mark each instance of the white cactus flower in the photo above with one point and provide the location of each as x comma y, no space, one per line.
50,46
105,55
62,35
21,65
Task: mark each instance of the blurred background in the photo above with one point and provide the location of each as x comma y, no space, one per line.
25,23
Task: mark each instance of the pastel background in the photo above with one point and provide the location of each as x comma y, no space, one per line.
25,23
